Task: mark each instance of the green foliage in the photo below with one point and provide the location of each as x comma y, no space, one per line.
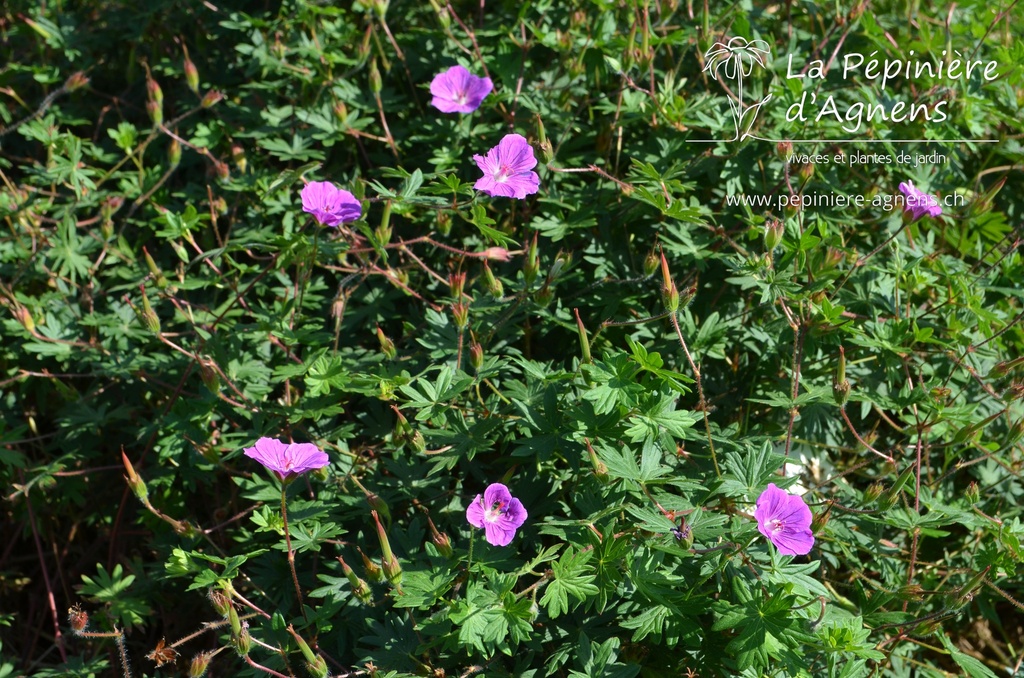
634,351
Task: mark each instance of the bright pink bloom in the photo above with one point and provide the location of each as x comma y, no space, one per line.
287,459
918,202
785,520
329,204
498,512
507,169
458,91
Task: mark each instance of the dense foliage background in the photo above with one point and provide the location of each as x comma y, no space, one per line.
166,297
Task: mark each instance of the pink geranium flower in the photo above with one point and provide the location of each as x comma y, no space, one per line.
287,460
508,169
458,91
329,204
785,520
498,513
919,203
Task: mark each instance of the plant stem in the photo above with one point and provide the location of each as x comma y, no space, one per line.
291,552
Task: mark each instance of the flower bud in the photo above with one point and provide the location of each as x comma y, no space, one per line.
873,492
209,375
456,283
773,232
220,601
532,263
317,667
76,81
303,647
476,356
191,75
154,270
242,642
442,15
972,493
387,347
444,222
156,112
1015,392
784,149
78,619
236,623
372,569
417,443
136,483
147,316
359,587
199,664
211,98
174,152
544,295
222,171
584,340
238,157
153,91
440,539
805,170
392,570
376,84
460,312
600,468
380,7
497,254
341,112
24,316
110,206
911,592
493,285
650,264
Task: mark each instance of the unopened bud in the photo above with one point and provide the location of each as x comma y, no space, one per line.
110,206
243,642
387,347
209,374
440,539
584,340
137,485
303,646
317,667
222,171
174,152
456,283
156,112
417,442
444,223
211,98
805,170
442,14
1015,392
650,264
494,286
76,81
191,75
154,270
392,570
873,492
24,316
147,315
600,468
784,149
236,623
544,295
199,664
497,254
372,569
773,232
153,91
238,157
476,356
78,619
972,493
911,592
532,264
380,7
341,112
460,312
359,587
376,84
221,603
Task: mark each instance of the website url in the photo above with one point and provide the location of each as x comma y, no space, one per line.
839,200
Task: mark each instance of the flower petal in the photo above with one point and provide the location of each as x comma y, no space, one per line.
498,534
475,512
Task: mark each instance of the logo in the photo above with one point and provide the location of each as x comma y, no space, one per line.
735,61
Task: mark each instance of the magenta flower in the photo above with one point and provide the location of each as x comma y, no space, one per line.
918,202
458,91
329,204
507,169
498,512
287,460
785,519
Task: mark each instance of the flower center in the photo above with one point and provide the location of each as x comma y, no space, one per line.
503,173
777,525
495,513
461,98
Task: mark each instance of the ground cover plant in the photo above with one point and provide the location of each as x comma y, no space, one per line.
538,338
